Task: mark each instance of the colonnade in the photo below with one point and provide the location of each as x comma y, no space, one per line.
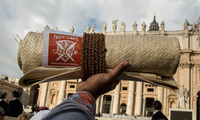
115,100
136,101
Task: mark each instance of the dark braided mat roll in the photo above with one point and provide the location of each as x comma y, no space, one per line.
93,55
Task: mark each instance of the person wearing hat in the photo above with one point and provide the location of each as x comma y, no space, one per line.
15,106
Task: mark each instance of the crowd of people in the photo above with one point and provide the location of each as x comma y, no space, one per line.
79,106
14,108
35,109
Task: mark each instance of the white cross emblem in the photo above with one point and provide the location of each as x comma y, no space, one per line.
65,50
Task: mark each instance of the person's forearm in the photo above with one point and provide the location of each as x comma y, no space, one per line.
79,106
86,99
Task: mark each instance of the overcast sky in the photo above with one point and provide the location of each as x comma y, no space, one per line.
21,16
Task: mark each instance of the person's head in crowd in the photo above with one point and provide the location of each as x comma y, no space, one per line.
3,96
157,105
15,94
1,113
25,116
37,109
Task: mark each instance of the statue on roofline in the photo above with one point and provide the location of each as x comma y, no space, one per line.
56,29
47,27
143,26
123,27
93,28
162,25
87,29
114,25
193,27
186,24
104,28
72,30
198,25
135,27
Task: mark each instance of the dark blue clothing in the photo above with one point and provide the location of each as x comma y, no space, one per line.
14,108
4,105
159,115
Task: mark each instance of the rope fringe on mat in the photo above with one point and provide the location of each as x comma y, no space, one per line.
93,55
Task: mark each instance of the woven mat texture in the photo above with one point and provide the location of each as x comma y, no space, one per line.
148,54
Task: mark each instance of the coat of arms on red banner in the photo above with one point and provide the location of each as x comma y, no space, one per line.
64,50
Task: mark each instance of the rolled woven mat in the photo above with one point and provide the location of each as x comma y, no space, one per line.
152,59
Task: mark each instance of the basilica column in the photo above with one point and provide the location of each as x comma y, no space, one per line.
160,94
111,108
61,91
130,98
98,105
39,94
116,99
43,96
165,101
138,102
101,105
144,105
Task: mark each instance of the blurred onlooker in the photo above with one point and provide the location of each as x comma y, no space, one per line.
98,114
37,109
25,116
40,112
115,116
33,108
1,113
15,107
3,103
44,108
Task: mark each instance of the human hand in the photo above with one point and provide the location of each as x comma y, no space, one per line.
101,83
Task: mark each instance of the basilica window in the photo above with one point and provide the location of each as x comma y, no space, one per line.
124,88
69,94
150,89
53,99
53,96
72,86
